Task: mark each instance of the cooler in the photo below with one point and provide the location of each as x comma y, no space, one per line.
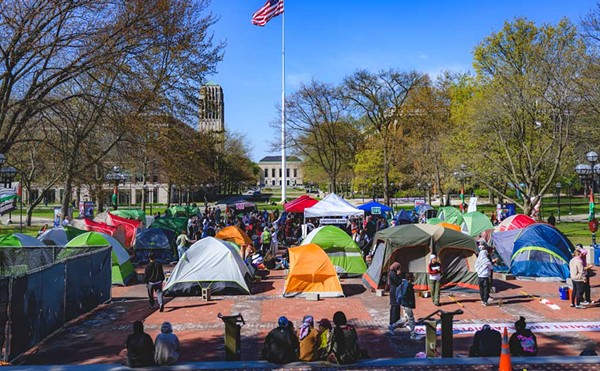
564,292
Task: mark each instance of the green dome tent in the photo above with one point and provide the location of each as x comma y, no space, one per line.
474,223
183,211
133,214
450,215
122,269
434,221
174,224
20,240
344,253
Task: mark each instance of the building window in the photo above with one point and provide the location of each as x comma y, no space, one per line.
280,172
280,180
273,182
287,172
266,173
295,173
273,173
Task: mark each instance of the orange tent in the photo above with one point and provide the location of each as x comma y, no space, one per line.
311,270
235,235
450,226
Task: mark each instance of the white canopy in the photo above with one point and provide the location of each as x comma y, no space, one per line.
332,205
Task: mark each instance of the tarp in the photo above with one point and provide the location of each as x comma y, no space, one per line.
403,217
411,245
300,204
54,237
122,269
475,223
175,224
157,240
20,240
311,271
131,227
368,207
344,253
332,205
541,250
209,263
450,215
514,222
235,235
118,232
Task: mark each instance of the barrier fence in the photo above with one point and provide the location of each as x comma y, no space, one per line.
43,288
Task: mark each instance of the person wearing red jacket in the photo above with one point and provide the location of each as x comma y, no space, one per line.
434,269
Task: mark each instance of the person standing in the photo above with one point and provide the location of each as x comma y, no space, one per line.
408,302
394,281
166,346
153,278
266,240
586,289
140,349
484,268
435,275
577,277
182,241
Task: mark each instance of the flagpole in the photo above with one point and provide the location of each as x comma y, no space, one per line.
283,159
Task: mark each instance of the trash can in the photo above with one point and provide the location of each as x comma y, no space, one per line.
564,292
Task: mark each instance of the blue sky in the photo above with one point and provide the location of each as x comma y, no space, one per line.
329,39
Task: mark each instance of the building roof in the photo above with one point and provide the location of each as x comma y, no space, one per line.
211,83
278,159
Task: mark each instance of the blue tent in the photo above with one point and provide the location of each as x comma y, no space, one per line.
541,250
426,209
157,240
368,207
403,217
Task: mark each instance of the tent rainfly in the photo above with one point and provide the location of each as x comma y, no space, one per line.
300,204
235,235
333,206
344,253
54,237
475,223
20,240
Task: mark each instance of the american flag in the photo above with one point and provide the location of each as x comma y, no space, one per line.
272,8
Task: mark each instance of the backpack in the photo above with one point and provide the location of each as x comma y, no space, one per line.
400,293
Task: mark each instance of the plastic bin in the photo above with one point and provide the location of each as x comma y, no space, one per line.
563,291
597,255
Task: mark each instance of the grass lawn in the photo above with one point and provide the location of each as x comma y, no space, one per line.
32,231
576,232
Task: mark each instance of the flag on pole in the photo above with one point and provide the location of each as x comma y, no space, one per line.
272,8
115,196
19,191
592,214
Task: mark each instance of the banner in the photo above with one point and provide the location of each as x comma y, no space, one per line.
535,327
8,200
324,221
472,205
419,202
86,209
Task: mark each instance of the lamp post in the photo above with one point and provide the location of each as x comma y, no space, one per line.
464,177
587,174
116,176
558,187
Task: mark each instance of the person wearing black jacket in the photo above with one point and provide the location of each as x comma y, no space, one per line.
140,348
487,342
153,278
406,298
281,344
344,348
523,342
394,282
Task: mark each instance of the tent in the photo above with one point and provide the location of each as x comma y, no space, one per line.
334,206
73,232
434,221
475,223
133,214
411,245
117,232
450,215
538,250
517,221
449,226
131,226
159,241
403,217
122,269
184,211
380,209
426,209
54,237
174,224
311,271
20,240
235,235
209,263
300,204
344,253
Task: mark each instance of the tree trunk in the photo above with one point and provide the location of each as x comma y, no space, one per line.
491,197
66,197
386,174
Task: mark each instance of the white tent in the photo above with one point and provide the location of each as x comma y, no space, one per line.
209,263
54,237
334,206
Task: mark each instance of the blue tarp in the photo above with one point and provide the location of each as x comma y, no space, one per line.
370,205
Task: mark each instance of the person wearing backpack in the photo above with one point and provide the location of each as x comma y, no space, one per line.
394,281
523,342
407,301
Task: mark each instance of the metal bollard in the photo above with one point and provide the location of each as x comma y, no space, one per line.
233,325
431,338
447,334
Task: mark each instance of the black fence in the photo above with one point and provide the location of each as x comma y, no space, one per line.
39,292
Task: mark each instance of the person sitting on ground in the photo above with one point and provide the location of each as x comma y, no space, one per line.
523,342
140,349
344,347
324,338
309,340
281,344
166,346
487,342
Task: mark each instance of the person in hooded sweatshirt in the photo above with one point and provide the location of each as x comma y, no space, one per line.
281,344
166,346
523,342
484,268
140,350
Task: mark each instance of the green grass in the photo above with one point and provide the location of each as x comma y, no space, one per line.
576,232
32,231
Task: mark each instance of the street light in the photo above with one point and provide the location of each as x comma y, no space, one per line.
587,174
558,187
117,176
464,177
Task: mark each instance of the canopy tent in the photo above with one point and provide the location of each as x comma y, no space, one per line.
517,221
450,215
311,271
54,237
475,223
159,241
344,253
235,235
20,240
379,208
122,269
174,224
334,206
411,245
403,217
538,250
426,209
183,211
300,204
209,263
